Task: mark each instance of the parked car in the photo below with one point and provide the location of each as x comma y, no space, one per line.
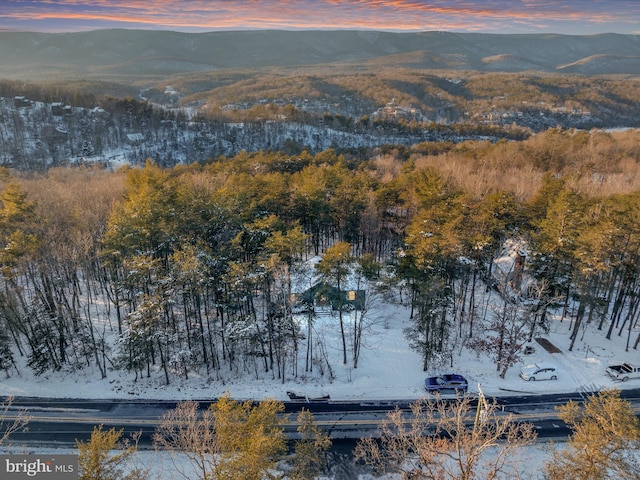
623,371
451,381
539,371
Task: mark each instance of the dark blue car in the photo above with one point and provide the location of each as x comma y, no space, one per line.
451,381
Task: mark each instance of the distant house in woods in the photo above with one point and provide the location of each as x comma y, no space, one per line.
135,138
393,112
313,294
57,109
509,271
324,298
21,101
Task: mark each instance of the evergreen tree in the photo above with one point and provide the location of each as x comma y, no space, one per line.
334,268
309,458
229,441
606,436
106,457
251,437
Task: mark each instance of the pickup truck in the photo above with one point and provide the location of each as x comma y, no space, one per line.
623,372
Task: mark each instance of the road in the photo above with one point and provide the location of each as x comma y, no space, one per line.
60,422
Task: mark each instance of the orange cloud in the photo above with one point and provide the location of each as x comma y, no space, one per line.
398,15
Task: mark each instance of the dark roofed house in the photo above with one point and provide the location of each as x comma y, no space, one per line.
57,109
21,101
310,293
324,299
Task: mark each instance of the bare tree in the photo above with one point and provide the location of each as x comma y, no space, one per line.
440,440
228,441
191,433
504,335
11,422
512,326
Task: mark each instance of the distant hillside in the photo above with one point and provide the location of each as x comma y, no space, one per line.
143,54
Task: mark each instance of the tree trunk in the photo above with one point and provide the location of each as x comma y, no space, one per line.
576,325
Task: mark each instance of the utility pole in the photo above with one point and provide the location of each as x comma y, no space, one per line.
480,409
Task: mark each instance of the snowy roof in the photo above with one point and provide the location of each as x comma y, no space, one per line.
511,249
135,137
307,276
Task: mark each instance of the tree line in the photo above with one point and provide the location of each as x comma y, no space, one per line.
193,267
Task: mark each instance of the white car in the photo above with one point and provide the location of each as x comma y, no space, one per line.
539,371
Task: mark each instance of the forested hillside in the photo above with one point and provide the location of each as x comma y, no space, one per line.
143,54
202,117
113,97
192,267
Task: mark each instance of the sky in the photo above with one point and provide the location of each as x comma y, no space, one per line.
573,17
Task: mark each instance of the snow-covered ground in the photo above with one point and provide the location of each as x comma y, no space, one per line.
172,466
388,369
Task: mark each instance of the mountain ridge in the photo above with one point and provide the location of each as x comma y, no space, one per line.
143,53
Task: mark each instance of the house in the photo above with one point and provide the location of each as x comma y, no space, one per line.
509,272
100,113
325,299
135,138
394,112
58,134
21,101
57,109
310,293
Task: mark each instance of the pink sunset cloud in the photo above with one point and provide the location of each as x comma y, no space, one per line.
498,16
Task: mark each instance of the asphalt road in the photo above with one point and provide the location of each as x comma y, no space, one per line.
60,422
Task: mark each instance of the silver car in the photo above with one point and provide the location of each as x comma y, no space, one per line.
539,372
